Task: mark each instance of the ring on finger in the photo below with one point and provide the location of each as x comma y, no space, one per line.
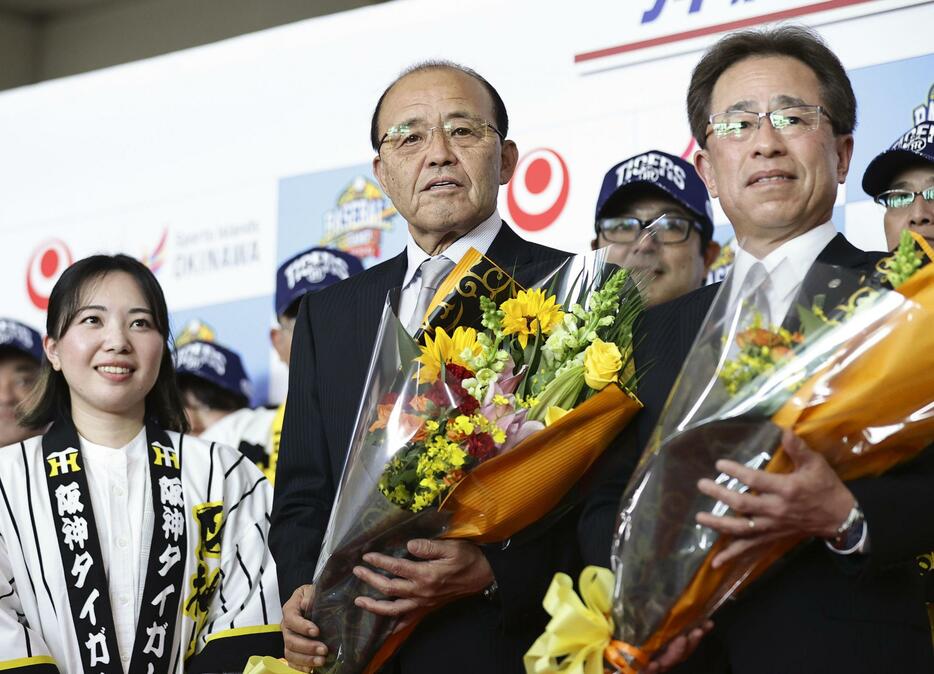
751,522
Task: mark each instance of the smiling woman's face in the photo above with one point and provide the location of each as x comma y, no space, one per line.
110,352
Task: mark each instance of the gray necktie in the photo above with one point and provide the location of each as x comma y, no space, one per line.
757,280
433,271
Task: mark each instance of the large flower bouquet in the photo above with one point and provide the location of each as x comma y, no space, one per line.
843,378
476,430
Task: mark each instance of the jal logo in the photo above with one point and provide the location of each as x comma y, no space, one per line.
653,12
47,263
538,192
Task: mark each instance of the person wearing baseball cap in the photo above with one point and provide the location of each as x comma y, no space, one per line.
216,394
309,271
654,209
902,180
20,355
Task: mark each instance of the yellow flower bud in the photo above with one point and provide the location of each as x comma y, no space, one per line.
553,413
602,363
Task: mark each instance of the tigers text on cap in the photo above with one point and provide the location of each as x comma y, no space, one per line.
215,364
19,336
916,144
310,271
671,174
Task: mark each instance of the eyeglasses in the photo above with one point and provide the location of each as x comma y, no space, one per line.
666,229
792,121
903,198
406,139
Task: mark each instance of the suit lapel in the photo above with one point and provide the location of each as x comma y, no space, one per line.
842,268
369,299
508,250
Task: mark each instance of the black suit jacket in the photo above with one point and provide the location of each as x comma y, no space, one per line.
815,611
334,335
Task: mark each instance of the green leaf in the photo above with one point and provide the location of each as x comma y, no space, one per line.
810,321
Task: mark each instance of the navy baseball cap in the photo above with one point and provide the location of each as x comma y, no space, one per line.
215,364
674,176
22,338
916,144
312,270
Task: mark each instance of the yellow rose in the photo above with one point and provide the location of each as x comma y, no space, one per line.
602,362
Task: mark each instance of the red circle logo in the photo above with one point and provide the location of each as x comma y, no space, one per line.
47,263
539,189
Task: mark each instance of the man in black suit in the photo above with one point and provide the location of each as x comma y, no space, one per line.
773,113
440,136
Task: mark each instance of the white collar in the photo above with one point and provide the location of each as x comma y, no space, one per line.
133,449
480,237
788,264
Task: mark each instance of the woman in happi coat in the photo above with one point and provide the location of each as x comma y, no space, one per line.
125,545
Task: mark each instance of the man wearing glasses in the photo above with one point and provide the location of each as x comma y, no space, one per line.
442,151
902,180
654,210
773,112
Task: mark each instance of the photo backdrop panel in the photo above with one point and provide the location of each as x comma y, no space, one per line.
215,163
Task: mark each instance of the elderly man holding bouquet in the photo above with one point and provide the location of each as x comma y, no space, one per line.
440,134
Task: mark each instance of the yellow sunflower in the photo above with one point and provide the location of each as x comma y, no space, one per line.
445,349
529,312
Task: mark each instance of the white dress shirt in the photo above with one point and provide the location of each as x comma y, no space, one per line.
480,237
787,266
118,480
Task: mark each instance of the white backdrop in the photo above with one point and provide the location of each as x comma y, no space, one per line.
215,163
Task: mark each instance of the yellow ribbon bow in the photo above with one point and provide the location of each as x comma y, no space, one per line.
259,664
578,631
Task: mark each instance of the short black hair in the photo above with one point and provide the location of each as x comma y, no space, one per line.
795,42
211,395
501,118
50,398
291,311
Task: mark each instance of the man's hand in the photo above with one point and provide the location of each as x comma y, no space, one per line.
678,649
450,570
809,501
301,650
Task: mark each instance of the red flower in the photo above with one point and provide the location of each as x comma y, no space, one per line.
457,373
389,398
468,404
438,395
450,393
480,446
